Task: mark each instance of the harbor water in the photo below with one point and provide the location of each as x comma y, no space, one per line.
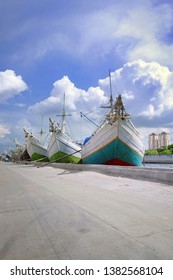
158,165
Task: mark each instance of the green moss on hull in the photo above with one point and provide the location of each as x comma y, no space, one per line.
64,158
39,157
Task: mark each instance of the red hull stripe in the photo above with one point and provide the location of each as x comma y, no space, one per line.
117,161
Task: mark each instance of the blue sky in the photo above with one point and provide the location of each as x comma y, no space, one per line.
50,47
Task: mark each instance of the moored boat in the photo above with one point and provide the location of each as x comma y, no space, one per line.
61,147
20,152
35,149
116,141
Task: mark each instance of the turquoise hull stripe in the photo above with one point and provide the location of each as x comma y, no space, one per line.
114,150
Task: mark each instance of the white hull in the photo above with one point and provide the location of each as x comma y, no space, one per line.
104,145
34,147
62,143
61,146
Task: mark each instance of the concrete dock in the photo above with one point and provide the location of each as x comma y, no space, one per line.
54,213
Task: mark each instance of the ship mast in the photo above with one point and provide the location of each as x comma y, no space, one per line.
41,131
117,109
111,96
64,115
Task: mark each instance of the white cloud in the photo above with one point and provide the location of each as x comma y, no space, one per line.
4,131
129,30
151,112
147,25
11,131
75,98
151,90
128,95
146,88
21,105
22,123
10,85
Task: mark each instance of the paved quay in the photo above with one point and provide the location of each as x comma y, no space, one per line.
52,213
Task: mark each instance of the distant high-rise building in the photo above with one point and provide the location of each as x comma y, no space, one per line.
153,141
164,139
156,141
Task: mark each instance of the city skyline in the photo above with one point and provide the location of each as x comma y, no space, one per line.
156,140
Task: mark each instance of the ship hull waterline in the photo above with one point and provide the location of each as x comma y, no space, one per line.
117,144
124,155
36,151
62,149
